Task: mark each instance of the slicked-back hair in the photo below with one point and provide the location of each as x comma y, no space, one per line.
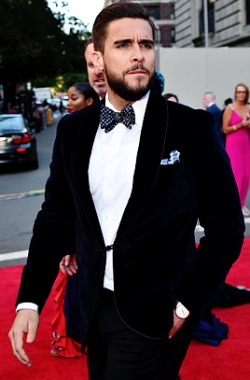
114,12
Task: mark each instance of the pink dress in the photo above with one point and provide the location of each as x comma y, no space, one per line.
238,150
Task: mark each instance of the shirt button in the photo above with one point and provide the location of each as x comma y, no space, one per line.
106,216
106,188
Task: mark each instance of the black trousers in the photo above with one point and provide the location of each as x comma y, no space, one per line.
115,352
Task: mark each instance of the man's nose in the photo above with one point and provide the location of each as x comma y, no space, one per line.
137,54
97,71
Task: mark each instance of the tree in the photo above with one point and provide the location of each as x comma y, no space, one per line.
34,45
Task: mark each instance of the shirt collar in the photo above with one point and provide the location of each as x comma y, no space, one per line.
139,108
210,104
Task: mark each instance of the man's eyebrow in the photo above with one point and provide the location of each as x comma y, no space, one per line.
125,41
146,41
129,40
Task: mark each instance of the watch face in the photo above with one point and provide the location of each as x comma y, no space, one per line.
181,311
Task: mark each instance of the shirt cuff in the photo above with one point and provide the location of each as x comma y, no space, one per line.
27,305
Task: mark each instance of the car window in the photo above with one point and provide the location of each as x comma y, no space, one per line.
11,124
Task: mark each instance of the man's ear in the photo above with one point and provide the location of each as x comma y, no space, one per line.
97,59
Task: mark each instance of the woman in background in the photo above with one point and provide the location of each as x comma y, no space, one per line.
236,126
66,322
81,95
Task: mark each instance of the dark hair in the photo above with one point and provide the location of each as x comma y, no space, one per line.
87,91
247,91
114,12
89,41
228,101
169,95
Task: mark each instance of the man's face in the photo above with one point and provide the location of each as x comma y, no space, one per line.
129,58
96,77
206,100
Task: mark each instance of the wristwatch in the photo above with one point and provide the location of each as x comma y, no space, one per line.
181,311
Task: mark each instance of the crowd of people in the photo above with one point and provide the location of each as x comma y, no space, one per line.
112,219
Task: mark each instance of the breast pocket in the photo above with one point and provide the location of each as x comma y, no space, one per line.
170,172
175,169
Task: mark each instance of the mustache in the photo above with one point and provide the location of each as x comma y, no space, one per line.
137,66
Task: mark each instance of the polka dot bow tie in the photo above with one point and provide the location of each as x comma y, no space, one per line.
109,119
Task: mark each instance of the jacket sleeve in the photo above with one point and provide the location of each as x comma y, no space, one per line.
219,211
53,233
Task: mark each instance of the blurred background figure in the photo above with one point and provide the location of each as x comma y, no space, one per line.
236,126
96,77
210,106
226,102
171,97
81,95
66,322
159,82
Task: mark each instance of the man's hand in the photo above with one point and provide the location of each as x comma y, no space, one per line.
178,323
69,265
26,322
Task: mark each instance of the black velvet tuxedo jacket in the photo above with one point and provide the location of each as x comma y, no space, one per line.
155,259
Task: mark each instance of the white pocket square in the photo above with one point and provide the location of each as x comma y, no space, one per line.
174,158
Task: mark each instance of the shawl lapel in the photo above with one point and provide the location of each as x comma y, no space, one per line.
84,145
148,160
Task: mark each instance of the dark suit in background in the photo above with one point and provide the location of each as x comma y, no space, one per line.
217,113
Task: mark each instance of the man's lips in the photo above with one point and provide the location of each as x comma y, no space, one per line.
100,81
137,71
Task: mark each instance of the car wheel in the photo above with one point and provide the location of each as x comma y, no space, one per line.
34,164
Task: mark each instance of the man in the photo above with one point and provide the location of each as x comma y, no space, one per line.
210,106
137,179
96,77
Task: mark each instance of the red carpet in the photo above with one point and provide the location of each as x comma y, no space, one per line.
229,361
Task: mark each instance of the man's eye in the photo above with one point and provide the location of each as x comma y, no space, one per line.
146,46
122,46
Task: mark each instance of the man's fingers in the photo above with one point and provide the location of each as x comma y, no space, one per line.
32,328
26,322
178,323
17,347
67,260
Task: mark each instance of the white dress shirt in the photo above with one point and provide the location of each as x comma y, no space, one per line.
111,172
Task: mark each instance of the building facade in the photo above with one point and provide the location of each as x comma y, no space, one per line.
162,13
228,23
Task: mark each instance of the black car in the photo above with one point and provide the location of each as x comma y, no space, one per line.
17,142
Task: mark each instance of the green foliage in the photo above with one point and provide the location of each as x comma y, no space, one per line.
34,46
72,78
61,83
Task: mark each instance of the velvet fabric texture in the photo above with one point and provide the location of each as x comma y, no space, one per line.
155,259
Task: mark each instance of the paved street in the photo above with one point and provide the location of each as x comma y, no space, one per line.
19,201
21,195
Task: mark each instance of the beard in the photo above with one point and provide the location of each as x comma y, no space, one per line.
126,91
